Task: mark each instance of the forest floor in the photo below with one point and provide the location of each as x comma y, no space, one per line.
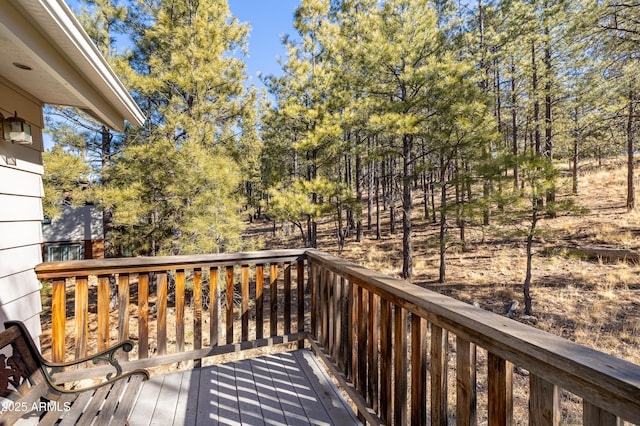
593,302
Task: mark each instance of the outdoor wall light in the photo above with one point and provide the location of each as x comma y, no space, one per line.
15,129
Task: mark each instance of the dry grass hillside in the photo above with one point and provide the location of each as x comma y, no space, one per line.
592,302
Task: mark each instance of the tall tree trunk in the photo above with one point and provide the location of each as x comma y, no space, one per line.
527,281
574,160
377,185
443,222
359,230
392,197
548,117
631,190
514,122
536,102
407,246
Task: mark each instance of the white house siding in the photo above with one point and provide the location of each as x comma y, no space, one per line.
20,213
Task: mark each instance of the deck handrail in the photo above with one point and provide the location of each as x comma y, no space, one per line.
372,329
601,379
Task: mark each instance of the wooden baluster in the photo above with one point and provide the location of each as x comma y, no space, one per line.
314,301
58,319
439,349
544,402
161,313
466,383
180,281
500,376
197,313
386,381
593,415
400,366
273,300
287,298
259,301
229,305
82,316
331,315
362,341
123,312
324,312
300,297
418,371
214,307
338,319
245,303
347,295
103,312
353,302
372,351
143,316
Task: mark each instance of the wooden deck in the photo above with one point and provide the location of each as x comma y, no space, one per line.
289,388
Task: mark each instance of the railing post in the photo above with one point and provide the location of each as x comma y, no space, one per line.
143,316
123,311
273,300
161,312
259,301
418,371
230,288
439,388
593,415
313,278
466,397
214,307
372,351
300,297
500,378
245,303
58,319
385,361
103,312
82,316
544,402
180,281
197,312
400,366
287,298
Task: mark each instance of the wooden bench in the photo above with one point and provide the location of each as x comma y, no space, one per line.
32,391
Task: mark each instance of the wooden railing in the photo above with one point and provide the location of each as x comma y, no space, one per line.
391,344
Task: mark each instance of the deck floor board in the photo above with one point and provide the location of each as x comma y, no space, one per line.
288,388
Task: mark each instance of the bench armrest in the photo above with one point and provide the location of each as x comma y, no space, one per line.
107,356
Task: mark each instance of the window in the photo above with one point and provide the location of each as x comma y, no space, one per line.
59,252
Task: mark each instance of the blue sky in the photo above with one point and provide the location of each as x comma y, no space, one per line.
269,20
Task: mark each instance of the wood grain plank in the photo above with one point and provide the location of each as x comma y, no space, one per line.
314,300
339,323
418,371
593,415
273,300
245,303
544,402
82,316
229,292
214,307
287,298
103,312
361,301
372,352
466,395
164,412
400,366
439,391
259,301
197,313
143,316
300,300
179,311
500,379
161,312
123,312
386,381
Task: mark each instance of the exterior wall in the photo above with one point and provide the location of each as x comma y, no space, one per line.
76,225
21,193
